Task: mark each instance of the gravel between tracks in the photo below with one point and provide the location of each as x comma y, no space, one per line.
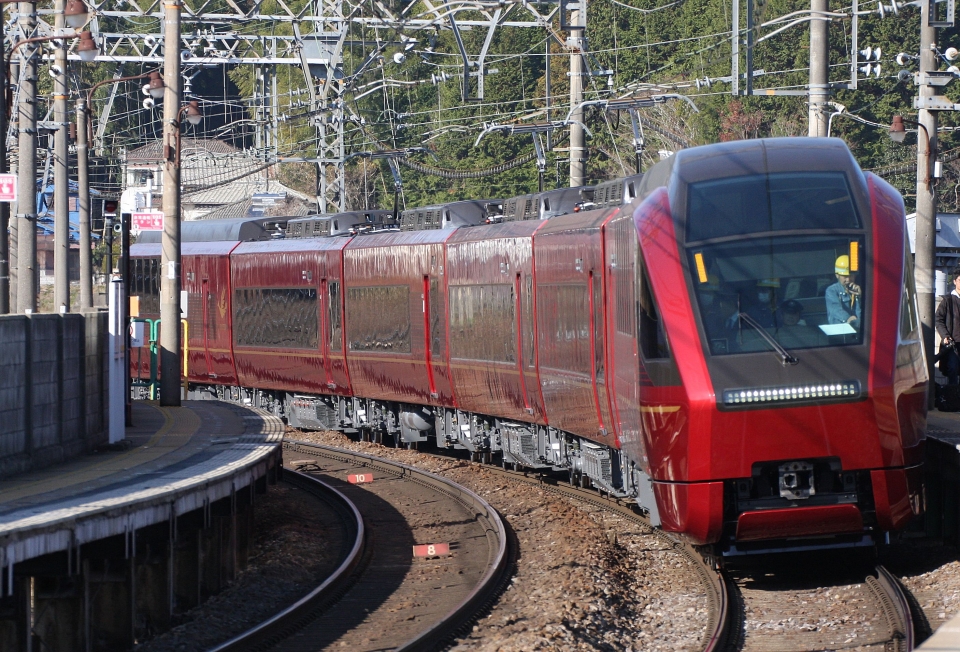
586,579
577,586
932,574
292,552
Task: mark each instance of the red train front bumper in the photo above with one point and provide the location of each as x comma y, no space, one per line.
799,521
697,510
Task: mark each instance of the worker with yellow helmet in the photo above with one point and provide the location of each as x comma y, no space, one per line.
844,296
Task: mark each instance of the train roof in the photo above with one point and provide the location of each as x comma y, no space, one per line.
544,205
765,156
346,223
615,192
237,229
469,212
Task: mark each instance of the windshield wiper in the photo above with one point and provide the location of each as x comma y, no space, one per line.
785,356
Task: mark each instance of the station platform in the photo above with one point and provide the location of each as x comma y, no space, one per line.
174,461
944,426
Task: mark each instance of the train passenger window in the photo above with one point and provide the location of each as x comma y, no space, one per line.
334,316
564,318
769,202
379,318
653,339
483,322
284,318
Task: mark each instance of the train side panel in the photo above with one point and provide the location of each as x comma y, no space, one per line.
395,321
569,272
622,353
206,279
492,348
286,315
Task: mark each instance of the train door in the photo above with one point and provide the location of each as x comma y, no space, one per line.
623,370
325,300
523,324
597,350
431,321
207,298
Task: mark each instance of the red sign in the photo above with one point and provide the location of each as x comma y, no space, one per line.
147,221
8,187
357,478
431,550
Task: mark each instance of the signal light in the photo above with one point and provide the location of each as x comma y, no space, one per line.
110,207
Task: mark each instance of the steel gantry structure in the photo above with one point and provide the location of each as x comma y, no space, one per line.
315,41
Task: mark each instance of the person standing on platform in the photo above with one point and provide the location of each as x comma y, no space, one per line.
948,327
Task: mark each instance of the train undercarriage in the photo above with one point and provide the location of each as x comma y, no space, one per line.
487,439
530,447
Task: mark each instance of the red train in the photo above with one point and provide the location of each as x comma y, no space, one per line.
730,339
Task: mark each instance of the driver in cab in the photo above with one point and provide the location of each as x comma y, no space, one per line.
843,297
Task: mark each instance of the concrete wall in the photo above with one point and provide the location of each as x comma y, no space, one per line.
53,403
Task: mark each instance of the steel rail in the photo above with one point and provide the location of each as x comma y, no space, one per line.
290,619
896,608
718,592
493,580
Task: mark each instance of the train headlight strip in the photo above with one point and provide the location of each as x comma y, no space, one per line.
845,389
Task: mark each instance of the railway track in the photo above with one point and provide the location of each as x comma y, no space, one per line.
805,607
387,600
714,583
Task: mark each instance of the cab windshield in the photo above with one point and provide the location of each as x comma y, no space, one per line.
803,291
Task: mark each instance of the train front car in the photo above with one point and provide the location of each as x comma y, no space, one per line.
785,401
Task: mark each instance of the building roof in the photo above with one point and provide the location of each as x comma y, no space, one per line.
152,152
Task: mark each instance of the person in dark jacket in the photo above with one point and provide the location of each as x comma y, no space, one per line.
948,326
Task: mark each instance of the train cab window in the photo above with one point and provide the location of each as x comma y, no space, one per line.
797,291
769,202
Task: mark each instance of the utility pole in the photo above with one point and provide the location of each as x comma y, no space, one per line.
27,167
61,182
83,208
819,72
170,243
4,206
578,23
926,233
